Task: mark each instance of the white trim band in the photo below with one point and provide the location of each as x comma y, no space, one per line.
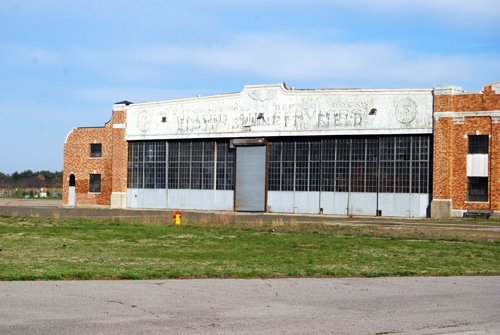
494,113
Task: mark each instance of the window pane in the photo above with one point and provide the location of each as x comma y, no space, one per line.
288,166
478,189
275,166
173,165
314,165
302,166
478,144
95,183
95,150
135,165
371,164
387,164
328,165
208,165
358,164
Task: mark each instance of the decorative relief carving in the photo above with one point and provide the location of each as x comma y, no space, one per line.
406,111
143,120
262,94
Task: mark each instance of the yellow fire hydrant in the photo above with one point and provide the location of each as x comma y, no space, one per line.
177,217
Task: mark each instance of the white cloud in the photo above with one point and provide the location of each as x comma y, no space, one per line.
278,57
263,57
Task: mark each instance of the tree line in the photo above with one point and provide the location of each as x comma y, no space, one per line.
31,179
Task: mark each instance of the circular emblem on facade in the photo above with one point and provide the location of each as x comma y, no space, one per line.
143,120
406,111
262,94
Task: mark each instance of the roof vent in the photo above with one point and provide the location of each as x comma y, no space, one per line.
124,102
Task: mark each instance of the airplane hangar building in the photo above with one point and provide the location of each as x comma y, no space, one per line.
265,149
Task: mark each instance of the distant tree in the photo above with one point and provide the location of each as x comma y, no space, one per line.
4,179
31,179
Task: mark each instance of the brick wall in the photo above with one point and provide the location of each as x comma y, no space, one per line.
441,164
495,164
111,165
472,114
120,152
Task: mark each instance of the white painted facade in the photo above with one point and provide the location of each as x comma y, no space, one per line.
274,110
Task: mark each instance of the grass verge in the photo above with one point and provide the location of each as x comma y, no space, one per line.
34,248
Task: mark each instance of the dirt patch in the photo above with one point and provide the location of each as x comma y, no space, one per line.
30,202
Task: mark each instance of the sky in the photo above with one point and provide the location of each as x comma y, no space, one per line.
64,63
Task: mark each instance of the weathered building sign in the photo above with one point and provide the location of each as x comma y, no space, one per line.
275,110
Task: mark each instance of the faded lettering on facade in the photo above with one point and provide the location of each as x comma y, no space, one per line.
297,116
272,110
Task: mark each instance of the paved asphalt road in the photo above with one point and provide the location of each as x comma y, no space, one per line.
447,305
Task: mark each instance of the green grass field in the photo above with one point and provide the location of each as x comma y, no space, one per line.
54,248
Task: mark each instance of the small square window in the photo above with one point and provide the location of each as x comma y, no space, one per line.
95,183
477,189
95,150
478,144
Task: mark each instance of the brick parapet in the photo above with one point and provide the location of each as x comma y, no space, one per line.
468,102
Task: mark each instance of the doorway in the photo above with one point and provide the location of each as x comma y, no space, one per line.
72,192
250,190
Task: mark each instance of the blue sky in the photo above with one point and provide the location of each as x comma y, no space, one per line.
64,63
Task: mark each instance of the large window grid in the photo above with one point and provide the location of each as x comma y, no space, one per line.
420,164
392,164
135,175
307,165
191,165
275,166
146,164
225,166
403,162
180,165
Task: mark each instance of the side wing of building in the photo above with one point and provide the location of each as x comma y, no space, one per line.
466,152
